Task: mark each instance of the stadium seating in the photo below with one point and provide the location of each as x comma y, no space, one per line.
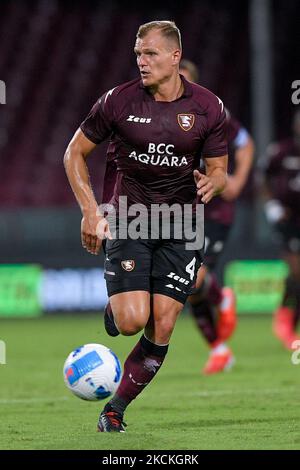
56,58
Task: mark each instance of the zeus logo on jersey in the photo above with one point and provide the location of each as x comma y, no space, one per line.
133,118
159,155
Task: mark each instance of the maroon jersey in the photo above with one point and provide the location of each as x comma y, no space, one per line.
155,146
218,209
283,175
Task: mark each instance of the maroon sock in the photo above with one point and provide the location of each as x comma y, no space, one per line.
140,367
205,317
214,292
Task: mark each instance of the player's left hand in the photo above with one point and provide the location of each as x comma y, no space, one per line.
205,186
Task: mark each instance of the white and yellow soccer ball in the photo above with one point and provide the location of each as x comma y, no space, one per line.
92,372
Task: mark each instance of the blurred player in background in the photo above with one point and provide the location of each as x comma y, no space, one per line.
159,125
213,307
282,176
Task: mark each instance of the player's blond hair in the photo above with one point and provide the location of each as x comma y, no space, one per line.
167,28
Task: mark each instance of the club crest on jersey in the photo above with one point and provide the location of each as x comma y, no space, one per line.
128,264
186,121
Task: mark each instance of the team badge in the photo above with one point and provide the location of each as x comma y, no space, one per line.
186,121
128,264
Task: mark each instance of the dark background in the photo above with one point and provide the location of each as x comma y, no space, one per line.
57,58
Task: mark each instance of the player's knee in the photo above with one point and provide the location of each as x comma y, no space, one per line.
130,329
130,322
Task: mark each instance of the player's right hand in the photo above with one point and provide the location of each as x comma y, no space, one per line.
93,227
205,187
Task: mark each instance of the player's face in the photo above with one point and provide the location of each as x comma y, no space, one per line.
157,58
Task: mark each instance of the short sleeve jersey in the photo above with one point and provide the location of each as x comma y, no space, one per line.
218,209
155,146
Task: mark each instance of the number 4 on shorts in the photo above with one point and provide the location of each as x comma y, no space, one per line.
190,268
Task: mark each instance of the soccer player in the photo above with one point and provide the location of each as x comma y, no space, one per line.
213,307
282,175
160,126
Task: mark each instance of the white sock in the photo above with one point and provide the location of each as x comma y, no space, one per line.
220,349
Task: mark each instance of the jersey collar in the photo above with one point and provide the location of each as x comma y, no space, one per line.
187,91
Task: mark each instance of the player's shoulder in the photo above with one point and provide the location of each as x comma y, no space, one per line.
122,91
207,101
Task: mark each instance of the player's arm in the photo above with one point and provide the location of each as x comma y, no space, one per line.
243,162
214,154
75,164
214,181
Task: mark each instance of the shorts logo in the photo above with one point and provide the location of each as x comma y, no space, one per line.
128,264
178,278
186,121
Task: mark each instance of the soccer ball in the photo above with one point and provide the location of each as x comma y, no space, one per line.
92,372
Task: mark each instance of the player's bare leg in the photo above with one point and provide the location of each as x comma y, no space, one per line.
163,318
129,311
143,362
214,311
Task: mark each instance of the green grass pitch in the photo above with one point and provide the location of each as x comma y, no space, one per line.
255,406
